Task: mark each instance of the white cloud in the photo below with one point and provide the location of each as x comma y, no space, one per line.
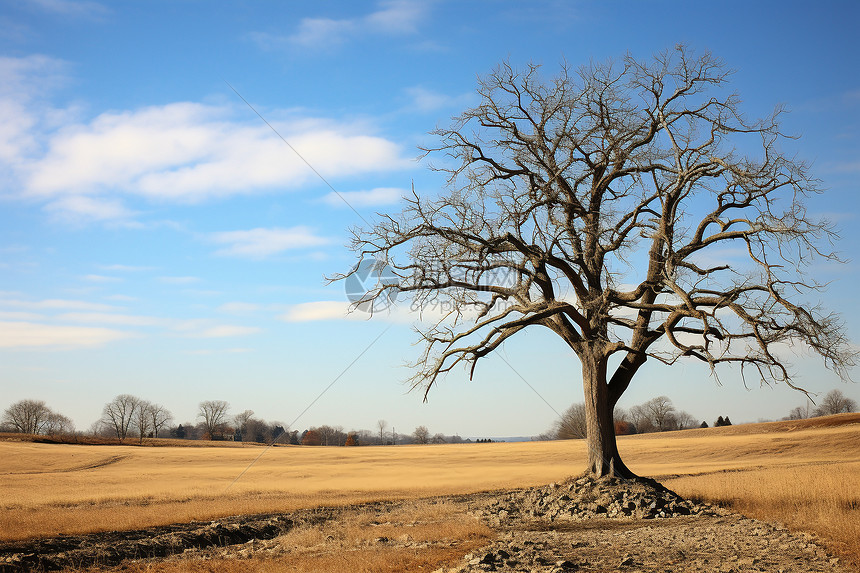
107,318
425,100
322,32
126,268
341,310
397,16
318,310
22,109
83,8
101,279
122,298
86,171
19,315
78,209
261,243
357,199
56,304
189,152
30,335
178,280
394,17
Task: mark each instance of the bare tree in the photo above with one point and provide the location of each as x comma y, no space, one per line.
213,414
421,435
141,419
331,435
58,424
382,425
685,420
241,421
27,416
641,418
611,206
119,413
159,416
572,424
661,413
798,413
835,402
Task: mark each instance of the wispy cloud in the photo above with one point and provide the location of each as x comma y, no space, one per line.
325,310
56,304
189,152
74,8
425,100
82,210
358,199
108,318
178,280
101,279
261,243
394,17
319,310
126,268
88,171
31,335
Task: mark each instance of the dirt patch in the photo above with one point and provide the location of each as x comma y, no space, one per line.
90,466
578,525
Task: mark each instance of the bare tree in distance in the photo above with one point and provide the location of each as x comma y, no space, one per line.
572,425
142,420
241,421
661,413
798,413
685,420
421,435
382,425
159,416
835,402
118,414
611,205
58,424
213,414
27,416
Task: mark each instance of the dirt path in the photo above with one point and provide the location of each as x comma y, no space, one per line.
580,525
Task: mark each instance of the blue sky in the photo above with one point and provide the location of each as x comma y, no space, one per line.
157,238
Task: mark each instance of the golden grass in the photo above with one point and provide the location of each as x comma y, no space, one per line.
802,473
817,498
65,489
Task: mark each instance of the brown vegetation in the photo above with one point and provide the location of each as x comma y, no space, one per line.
802,473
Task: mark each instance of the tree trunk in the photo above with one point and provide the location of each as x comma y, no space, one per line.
603,458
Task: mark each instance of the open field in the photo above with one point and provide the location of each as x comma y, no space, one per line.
804,474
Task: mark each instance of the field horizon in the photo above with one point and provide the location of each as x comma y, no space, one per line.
801,473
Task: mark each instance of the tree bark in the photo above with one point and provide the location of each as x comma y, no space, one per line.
603,457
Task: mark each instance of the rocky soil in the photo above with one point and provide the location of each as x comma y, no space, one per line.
633,526
582,524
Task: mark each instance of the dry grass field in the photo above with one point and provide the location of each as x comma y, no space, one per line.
804,474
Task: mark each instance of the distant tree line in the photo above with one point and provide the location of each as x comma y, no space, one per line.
655,415
34,417
834,402
131,417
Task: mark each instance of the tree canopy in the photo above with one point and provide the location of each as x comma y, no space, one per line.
628,207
